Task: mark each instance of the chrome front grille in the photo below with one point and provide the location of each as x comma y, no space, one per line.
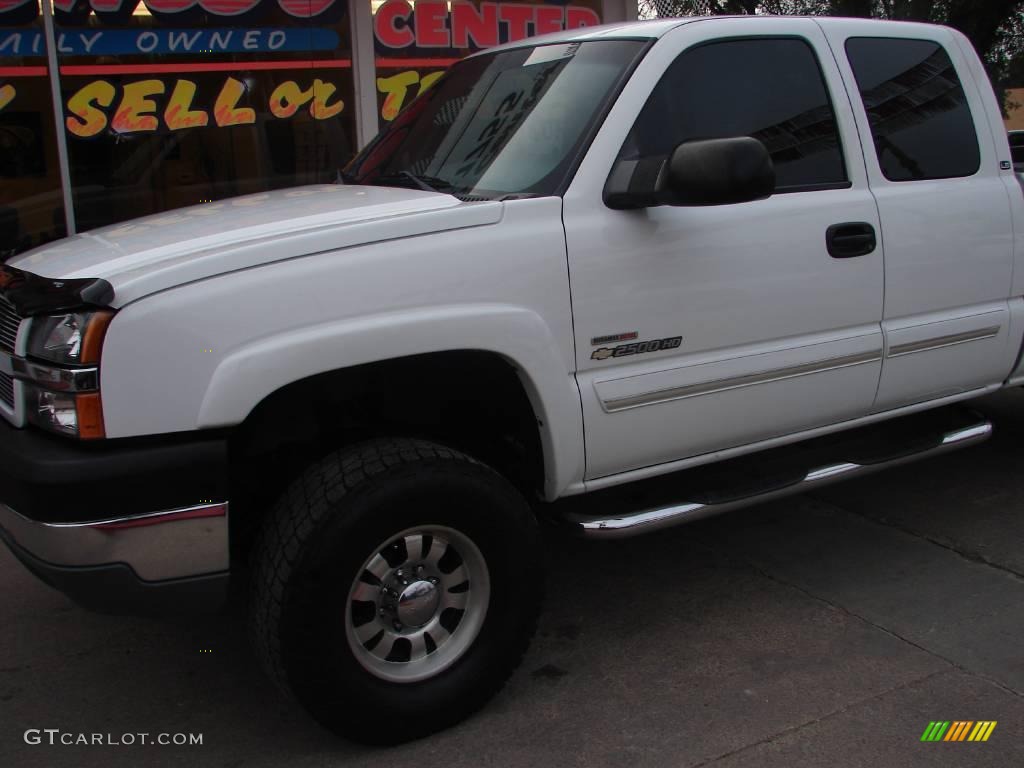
9,323
6,390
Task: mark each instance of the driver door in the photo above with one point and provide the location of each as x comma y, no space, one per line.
706,328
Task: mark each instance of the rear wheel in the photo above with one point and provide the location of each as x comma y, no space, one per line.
396,588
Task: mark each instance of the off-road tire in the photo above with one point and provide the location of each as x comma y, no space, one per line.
318,537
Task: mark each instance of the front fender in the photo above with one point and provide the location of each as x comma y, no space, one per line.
250,373
205,353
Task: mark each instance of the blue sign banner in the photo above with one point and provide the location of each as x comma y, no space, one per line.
169,42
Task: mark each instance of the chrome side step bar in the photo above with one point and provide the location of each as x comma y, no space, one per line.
658,518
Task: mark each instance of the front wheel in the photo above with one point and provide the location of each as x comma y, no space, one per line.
396,588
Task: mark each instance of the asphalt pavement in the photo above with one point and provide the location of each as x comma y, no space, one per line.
823,630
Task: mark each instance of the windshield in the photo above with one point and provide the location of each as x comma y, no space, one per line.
500,124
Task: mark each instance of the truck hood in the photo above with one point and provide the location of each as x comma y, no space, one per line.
157,252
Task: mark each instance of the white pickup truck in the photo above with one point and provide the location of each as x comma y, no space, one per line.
719,252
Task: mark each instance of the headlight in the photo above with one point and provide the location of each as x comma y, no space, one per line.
74,415
72,339
60,394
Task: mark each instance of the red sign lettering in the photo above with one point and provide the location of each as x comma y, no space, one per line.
547,18
25,11
391,24
431,24
14,12
518,18
431,30
472,27
397,23
9,5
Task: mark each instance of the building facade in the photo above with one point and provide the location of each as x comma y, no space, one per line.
113,109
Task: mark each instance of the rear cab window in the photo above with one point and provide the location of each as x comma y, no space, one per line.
1017,147
921,123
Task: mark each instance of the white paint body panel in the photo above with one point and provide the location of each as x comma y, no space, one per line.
166,250
1015,355
221,305
949,245
970,350
751,289
498,287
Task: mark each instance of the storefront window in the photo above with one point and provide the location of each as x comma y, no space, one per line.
176,102
169,103
416,40
31,206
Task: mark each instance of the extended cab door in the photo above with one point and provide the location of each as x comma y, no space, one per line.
701,329
946,219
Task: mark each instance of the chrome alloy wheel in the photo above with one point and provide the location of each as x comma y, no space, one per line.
417,604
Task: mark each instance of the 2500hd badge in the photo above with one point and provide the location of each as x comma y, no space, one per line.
636,348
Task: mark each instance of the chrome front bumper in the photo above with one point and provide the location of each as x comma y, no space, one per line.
78,515
159,546
164,562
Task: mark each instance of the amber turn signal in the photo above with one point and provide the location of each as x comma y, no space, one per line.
92,340
90,416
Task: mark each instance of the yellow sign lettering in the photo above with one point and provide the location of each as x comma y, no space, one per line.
137,112
179,113
320,109
287,98
395,89
428,80
226,110
86,120
7,94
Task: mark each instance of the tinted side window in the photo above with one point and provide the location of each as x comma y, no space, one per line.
920,121
771,89
1017,147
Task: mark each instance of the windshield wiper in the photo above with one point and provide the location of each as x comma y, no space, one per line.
426,183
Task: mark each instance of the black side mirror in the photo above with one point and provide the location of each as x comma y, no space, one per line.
719,172
708,172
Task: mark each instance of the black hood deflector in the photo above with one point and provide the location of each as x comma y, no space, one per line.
34,295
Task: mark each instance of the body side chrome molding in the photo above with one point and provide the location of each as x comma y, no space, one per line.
667,467
658,518
737,382
173,544
949,340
